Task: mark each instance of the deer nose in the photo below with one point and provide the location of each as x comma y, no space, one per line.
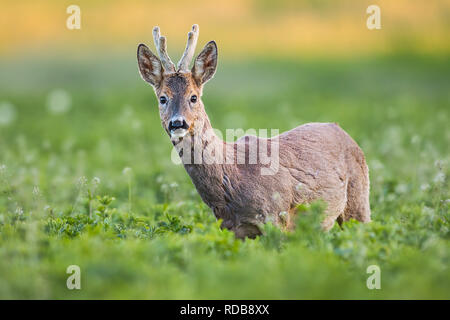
178,123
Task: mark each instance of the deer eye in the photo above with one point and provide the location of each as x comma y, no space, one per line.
194,99
162,100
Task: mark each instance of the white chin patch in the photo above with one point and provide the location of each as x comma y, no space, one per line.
178,133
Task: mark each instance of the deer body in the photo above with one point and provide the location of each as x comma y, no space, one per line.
316,160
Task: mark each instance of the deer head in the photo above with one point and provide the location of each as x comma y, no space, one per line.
178,89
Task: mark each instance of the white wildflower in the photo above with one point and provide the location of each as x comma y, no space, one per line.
19,211
7,113
127,171
439,164
82,181
401,188
376,164
58,101
428,211
36,191
439,178
415,139
136,124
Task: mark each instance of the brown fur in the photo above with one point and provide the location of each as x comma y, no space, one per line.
321,157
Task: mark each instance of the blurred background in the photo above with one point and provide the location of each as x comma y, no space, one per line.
242,27
73,108
244,30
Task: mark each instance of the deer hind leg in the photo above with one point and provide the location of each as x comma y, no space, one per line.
357,207
336,203
335,197
333,212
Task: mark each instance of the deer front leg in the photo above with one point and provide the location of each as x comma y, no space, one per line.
242,229
248,230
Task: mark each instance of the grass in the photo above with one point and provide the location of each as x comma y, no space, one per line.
86,179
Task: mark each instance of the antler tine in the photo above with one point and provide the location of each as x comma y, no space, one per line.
161,47
188,54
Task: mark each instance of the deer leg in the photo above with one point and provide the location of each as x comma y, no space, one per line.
357,207
248,230
334,212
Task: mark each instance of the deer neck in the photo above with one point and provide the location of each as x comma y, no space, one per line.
206,169
206,150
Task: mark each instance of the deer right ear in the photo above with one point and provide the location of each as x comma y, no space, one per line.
205,64
150,66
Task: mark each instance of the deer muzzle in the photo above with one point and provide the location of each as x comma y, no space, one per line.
178,127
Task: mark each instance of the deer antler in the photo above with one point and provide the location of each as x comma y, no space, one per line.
183,64
161,47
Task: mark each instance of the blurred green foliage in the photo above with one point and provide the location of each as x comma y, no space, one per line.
86,179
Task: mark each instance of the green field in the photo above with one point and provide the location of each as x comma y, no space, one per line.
86,179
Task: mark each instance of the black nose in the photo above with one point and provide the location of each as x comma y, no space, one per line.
178,124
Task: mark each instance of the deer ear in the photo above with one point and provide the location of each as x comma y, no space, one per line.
149,66
205,64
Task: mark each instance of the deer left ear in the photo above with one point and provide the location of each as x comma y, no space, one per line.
205,64
149,66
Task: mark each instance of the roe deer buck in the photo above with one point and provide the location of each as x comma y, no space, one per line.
320,157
